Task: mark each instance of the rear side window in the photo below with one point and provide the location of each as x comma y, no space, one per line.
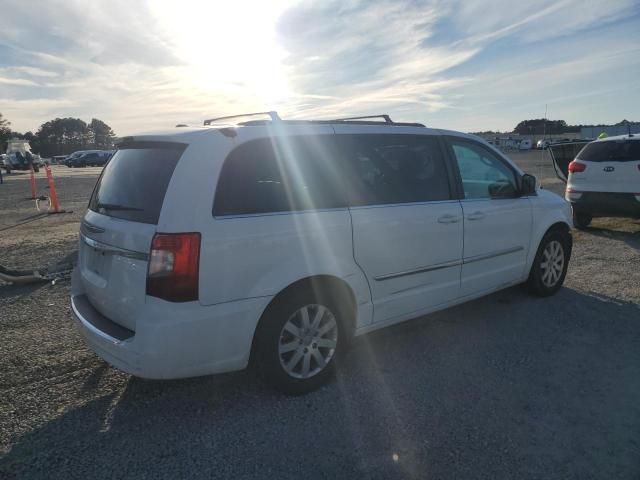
134,182
611,151
279,175
391,169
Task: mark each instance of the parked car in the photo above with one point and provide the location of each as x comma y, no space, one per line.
604,178
542,144
70,160
525,144
89,158
274,242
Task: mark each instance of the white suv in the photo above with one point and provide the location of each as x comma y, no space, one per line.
604,179
276,241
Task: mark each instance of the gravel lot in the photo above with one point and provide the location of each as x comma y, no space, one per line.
508,386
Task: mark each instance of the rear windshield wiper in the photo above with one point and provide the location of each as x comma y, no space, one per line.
113,206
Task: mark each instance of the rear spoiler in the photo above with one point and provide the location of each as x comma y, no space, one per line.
562,154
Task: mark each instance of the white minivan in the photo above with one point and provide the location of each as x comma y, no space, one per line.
274,242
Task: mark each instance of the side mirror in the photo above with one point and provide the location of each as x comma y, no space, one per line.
527,185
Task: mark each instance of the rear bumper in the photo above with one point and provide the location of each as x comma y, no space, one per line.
607,204
172,340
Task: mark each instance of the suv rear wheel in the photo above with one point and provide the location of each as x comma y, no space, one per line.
581,220
298,341
550,264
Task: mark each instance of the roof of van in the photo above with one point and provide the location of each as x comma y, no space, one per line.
187,133
183,132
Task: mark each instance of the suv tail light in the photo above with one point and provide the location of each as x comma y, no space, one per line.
576,167
173,266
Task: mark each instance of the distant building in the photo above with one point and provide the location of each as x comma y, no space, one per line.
610,130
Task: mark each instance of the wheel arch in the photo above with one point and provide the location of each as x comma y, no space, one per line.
329,284
559,225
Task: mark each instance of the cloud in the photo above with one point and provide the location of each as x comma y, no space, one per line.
28,71
367,56
528,22
433,60
117,31
140,65
17,81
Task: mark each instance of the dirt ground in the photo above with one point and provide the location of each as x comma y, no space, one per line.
507,386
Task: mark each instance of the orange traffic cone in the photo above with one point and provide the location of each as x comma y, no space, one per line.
33,182
54,207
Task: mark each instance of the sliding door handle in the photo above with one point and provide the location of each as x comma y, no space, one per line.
476,216
448,218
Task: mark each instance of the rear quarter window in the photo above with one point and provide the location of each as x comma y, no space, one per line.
285,174
611,151
134,182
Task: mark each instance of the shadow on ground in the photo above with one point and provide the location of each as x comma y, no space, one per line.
503,387
630,234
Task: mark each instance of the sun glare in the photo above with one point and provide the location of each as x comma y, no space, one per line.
229,47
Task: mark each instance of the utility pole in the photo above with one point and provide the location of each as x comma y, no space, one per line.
544,134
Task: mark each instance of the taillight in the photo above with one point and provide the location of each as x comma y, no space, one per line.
576,167
173,266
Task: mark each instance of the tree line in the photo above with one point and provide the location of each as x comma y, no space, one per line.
62,136
541,126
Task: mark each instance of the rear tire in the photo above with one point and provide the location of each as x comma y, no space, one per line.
581,220
298,341
550,264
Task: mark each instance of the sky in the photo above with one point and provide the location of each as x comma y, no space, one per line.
465,65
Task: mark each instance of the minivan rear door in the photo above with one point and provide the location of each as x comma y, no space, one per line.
117,230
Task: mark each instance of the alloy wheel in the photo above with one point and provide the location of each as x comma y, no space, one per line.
552,263
308,341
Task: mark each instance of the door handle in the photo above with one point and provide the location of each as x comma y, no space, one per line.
448,218
476,216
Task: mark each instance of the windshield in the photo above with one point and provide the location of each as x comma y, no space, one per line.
134,182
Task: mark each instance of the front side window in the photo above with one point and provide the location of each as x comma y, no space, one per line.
483,174
279,175
392,169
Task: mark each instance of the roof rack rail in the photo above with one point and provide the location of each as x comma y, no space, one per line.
274,117
387,118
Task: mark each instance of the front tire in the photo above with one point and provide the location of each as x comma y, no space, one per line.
550,264
298,341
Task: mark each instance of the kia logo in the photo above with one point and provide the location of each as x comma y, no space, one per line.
608,169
